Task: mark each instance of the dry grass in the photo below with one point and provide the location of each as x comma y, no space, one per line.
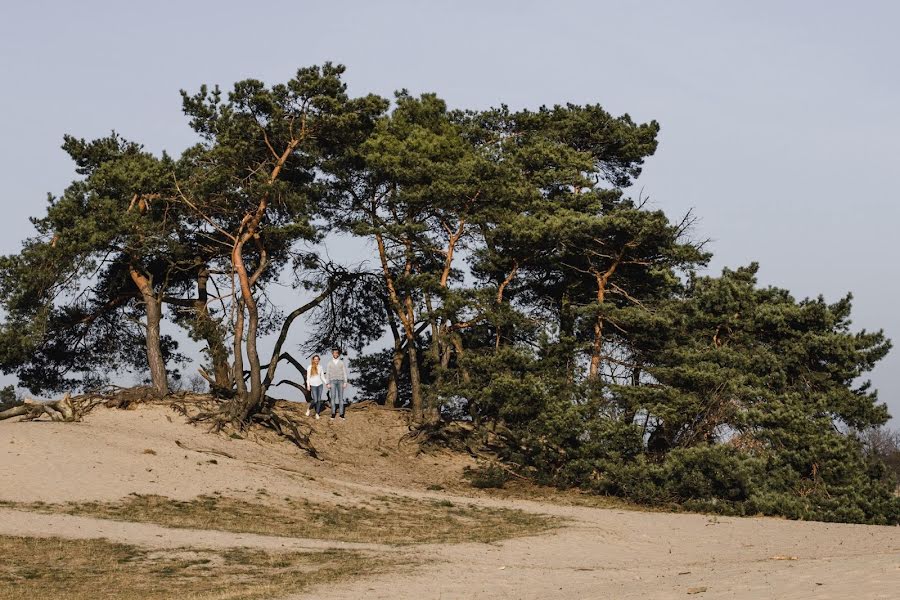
526,490
386,519
51,568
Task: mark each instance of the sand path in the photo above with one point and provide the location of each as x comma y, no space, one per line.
632,555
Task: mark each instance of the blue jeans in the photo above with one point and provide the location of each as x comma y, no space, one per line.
317,392
337,395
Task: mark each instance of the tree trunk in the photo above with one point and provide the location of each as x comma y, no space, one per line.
456,340
436,352
153,308
566,319
392,398
256,390
407,315
597,347
501,288
207,329
238,368
418,413
249,399
629,413
416,403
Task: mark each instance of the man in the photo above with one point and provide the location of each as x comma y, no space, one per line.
336,380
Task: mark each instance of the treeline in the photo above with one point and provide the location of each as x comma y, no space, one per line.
521,289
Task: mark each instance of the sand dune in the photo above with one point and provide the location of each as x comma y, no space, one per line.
597,553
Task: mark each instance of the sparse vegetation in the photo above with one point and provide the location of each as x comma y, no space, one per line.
385,519
50,568
883,443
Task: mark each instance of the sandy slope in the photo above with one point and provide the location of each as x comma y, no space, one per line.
602,553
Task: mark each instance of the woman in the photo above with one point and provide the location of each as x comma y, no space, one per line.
315,383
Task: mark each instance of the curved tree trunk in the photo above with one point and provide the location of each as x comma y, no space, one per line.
238,367
249,401
597,346
286,327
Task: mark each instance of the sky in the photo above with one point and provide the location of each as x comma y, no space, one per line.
780,127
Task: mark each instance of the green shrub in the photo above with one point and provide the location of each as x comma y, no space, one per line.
487,476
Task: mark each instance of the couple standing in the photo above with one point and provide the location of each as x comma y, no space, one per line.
332,376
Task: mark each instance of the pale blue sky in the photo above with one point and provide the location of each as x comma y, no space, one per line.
779,119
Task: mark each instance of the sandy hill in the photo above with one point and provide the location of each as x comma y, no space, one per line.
143,477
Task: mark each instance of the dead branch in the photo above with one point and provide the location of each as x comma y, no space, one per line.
64,410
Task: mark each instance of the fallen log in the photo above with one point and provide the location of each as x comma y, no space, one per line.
62,410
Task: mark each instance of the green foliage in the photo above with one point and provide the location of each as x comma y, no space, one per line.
8,398
370,377
487,476
71,305
741,407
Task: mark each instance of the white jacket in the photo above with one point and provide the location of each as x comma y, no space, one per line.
318,379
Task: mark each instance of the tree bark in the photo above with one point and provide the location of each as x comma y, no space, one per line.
416,403
405,311
416,400
392,397
500,291
597,347
238,367
436,352
153,309
249,400
253,396
210,331
456,340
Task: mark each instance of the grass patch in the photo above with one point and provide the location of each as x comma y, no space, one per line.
45,568
386,520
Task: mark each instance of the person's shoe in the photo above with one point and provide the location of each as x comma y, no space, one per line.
317,416
307,412
343,417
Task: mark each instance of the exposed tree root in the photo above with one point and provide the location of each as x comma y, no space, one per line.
371,404
465,437
225,416
440,434
66,409
288,428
